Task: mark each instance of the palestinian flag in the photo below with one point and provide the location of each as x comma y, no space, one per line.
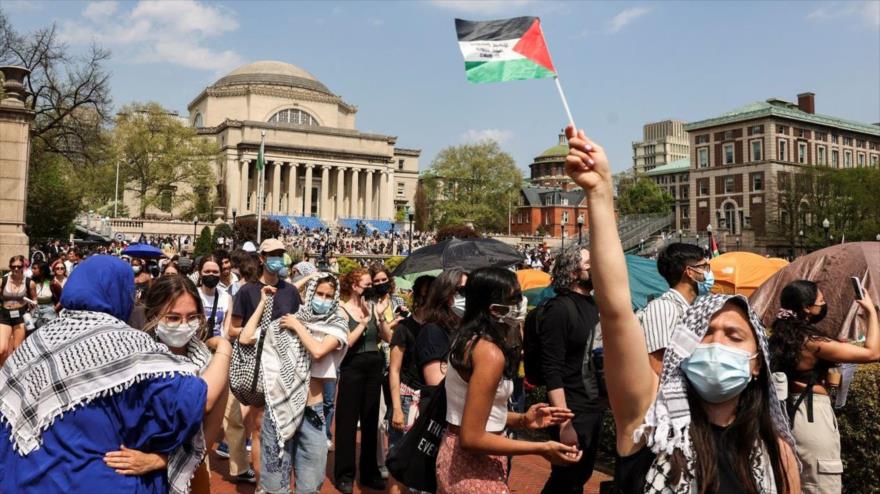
713,246
504,50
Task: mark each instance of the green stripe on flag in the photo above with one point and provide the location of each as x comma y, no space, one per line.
508,70
261,160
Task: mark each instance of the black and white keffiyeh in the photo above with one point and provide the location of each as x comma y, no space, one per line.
77,358
667,423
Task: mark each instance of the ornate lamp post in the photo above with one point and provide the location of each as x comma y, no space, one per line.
801,237
680,234
826,225
580,222
195,225
410,215
392,238
709,237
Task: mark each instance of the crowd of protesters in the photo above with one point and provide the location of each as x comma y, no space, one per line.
121,374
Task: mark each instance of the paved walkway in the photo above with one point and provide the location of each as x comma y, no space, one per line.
527,477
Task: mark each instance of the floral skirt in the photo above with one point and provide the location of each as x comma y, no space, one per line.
460,472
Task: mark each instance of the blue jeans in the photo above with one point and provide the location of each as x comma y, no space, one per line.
396,435
329,400
305,453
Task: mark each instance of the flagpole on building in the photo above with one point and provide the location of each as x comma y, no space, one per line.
565,103
261,168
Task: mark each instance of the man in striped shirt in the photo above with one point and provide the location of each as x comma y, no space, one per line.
684,267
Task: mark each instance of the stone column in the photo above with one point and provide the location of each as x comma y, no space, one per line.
15,124
296,200
233,185
383,193
244,189
307,192
275,204
355,203
368,195
291,188
392,194
340,192
324,208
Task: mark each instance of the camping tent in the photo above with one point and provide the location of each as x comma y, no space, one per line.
743,272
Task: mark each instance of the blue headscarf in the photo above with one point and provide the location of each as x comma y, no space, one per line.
101,284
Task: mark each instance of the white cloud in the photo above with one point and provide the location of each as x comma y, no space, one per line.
480,6
498,135
625,17
156,31
868,12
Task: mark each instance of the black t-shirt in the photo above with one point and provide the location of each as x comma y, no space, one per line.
564,337
432,343
247,299
630,471
405,337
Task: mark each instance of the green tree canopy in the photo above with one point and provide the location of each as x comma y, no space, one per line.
204,245
159,154
644,197
471,183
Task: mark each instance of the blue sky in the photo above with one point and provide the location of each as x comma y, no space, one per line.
622,64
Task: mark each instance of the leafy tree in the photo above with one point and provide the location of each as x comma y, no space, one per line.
204,245
222,230
246,229
392,262
456,231
158,153
52,201
346,265
471,183
644,197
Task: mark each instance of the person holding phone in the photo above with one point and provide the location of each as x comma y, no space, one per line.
805,354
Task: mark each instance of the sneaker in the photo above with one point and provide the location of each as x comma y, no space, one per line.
249,477
222,450
329,445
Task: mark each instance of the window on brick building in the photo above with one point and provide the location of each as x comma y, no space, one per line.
781,153
703,187
847,159
802,152
781,129
703,157
757,150
835,158
702,139
757,182
833,138
728,154
820,155
728,185
861,159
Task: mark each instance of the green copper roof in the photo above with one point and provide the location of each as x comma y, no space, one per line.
558,150
676,166
782,109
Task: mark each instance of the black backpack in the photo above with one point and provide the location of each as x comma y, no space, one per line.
532,338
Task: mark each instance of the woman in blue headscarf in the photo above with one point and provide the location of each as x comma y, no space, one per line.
86,383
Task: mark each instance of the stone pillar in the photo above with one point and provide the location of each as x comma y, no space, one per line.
233,185
340,192
15,124
275,204
307,191
355,202
392,194
324,208
244,187
368,195
291,189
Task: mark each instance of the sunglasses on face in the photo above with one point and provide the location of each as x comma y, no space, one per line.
17,266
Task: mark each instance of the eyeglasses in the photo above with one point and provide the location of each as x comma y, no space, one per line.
16,266
702,267
60,270
173,321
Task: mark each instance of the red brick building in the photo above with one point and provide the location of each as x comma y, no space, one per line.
547,210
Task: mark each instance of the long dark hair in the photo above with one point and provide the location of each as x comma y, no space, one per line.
436,309
163,292
791,331
45,273
752,422
485,287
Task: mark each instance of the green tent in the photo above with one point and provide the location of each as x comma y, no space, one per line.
645,283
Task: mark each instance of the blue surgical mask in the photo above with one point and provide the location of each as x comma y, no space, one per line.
718,372
703,287
321,306
276,265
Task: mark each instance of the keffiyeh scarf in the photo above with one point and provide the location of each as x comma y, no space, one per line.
667,423
77,358
286,363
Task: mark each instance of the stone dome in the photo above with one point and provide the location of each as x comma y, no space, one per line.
272,73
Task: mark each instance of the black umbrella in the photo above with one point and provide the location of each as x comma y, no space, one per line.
468,254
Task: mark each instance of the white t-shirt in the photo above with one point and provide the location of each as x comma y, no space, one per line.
326,367
223,306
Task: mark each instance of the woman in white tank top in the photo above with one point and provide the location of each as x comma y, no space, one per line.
482,362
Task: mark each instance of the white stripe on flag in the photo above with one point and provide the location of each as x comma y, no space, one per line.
489,50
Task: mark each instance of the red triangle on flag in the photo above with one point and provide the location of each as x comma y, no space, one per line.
533,46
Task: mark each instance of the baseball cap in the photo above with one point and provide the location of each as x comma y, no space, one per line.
271,245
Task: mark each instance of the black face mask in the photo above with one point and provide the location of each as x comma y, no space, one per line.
211,280
817,318
382,289
369,293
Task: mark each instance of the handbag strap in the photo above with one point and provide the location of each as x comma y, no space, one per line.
213,319
265,321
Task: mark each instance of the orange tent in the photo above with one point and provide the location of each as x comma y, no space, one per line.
532,278
743,272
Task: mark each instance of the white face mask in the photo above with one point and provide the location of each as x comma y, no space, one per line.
515,315
177,337
458,304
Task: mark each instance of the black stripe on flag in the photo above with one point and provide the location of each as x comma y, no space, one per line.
495,30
